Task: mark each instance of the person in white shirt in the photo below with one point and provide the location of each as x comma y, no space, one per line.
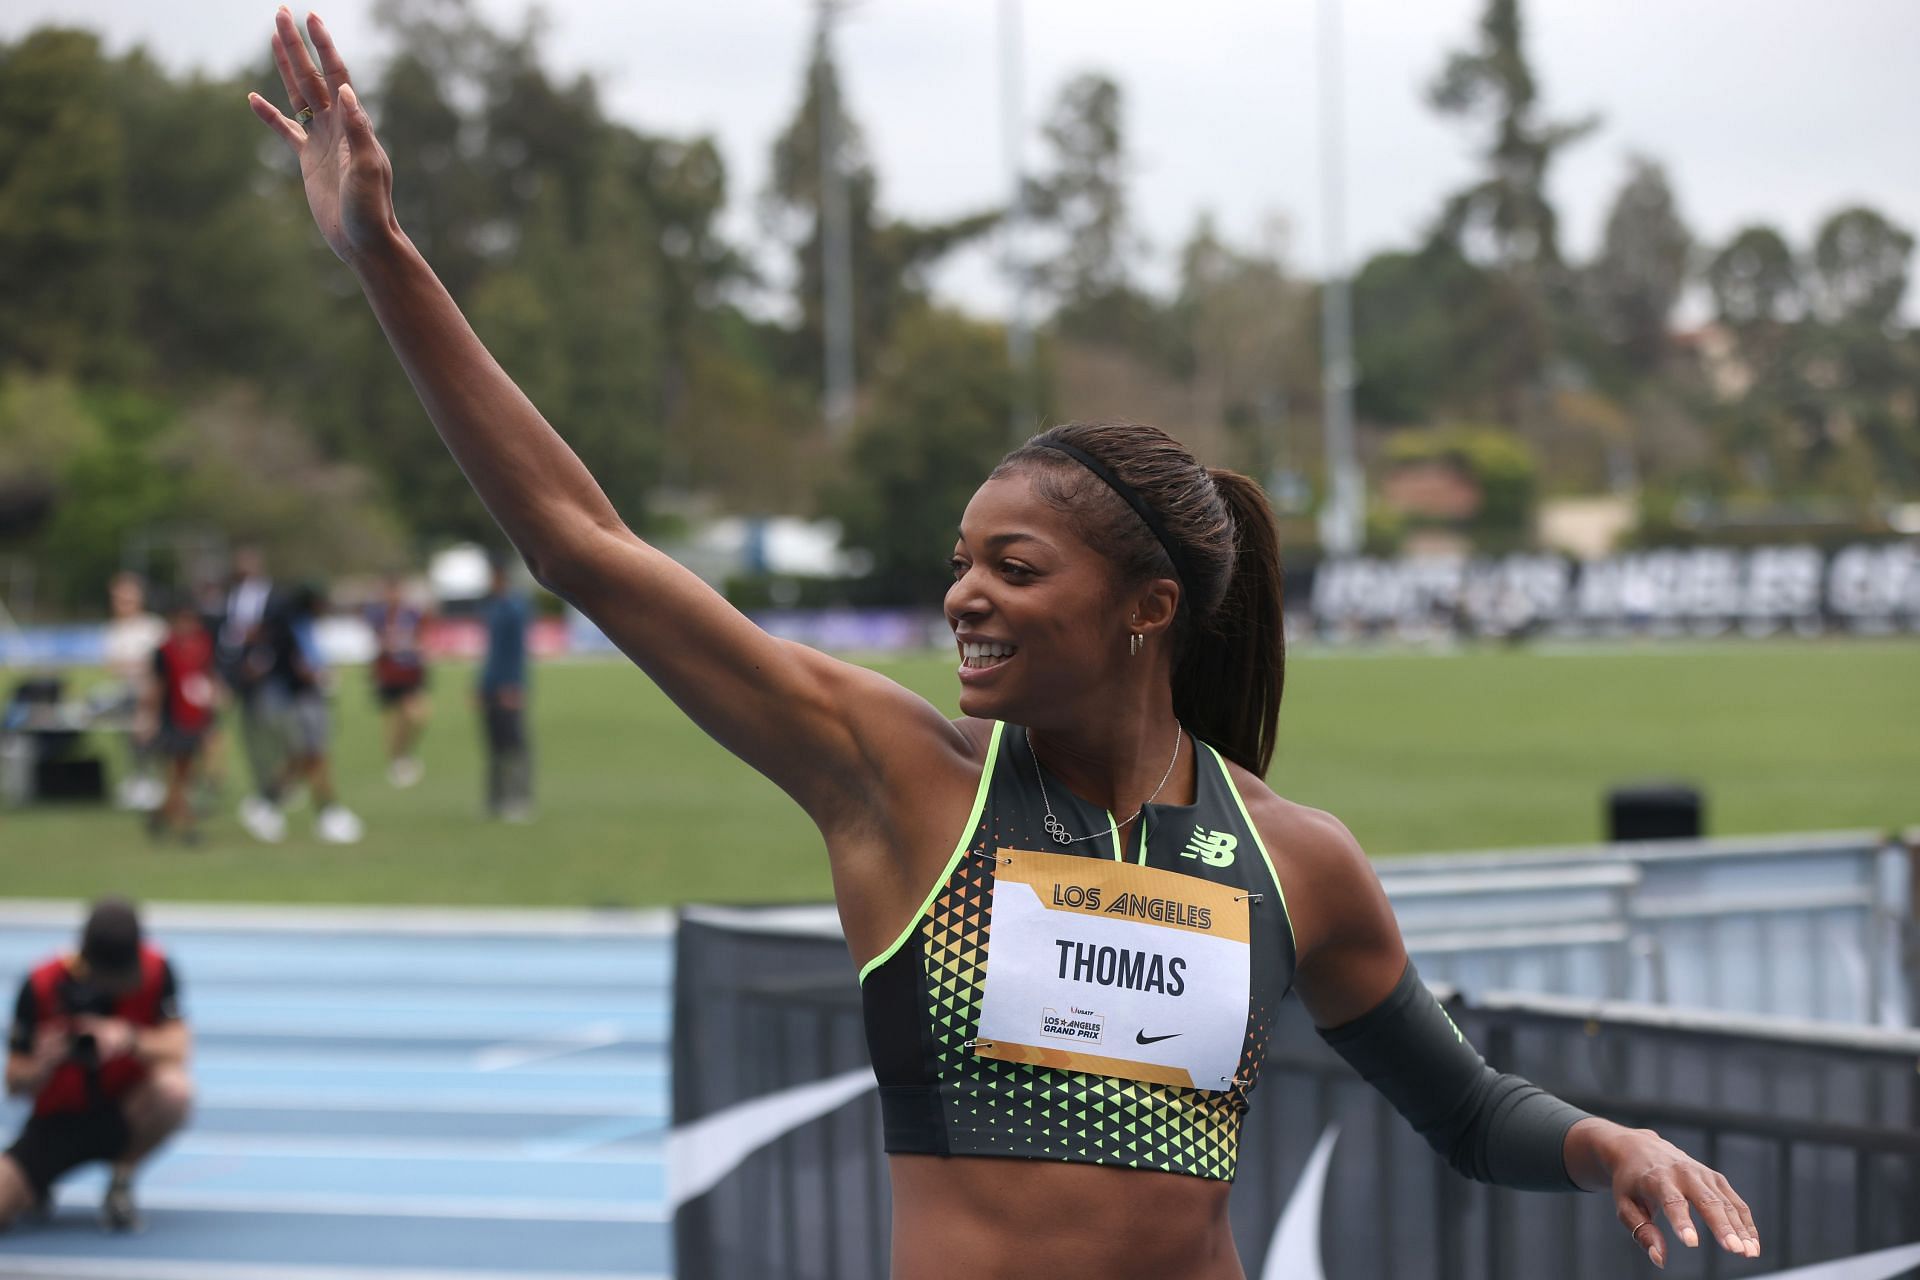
132,634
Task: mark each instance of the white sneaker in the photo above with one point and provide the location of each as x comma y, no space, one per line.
517,814
263,820
141,794
406,772
336,824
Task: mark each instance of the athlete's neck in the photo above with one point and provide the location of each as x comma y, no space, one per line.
1116,755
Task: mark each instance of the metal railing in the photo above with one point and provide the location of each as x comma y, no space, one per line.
1817,926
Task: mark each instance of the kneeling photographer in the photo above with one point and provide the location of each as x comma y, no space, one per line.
99,1044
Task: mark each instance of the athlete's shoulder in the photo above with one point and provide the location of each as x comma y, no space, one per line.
1327,877
1303,831
976,733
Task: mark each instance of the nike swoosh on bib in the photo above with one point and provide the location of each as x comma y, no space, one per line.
1141,1036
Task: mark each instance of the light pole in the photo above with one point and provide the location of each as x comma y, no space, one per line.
1021,411
1343,513
836,241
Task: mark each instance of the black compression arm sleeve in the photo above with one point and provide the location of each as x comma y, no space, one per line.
1489,1126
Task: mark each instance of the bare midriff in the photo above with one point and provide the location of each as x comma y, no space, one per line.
992,1218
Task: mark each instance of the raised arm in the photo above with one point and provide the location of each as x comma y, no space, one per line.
815,726
1366,998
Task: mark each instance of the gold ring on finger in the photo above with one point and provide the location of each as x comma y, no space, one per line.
304,115
1634,1234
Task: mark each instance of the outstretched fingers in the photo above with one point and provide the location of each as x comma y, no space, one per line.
1724,1213
1742,1217
296,101
1679,1214
1642,1228
332,65
360,141
305,78
292,134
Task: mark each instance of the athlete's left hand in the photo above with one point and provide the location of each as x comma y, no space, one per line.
1652,1180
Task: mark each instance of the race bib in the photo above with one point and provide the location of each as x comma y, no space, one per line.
1115,969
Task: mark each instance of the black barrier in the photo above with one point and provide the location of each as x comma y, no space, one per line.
1818,1127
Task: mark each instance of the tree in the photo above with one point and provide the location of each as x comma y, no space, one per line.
1506,216
1859,267
63,214
1498,465
1642,268
1754,281
935,424
1436,335
1083,199
890,257
1242,330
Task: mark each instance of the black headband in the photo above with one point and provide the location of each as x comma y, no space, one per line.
1182,569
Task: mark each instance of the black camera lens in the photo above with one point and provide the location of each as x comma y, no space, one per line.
84,1049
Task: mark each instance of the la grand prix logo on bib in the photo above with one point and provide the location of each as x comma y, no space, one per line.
1077,1025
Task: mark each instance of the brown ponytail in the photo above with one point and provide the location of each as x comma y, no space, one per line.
1229,647
1227,686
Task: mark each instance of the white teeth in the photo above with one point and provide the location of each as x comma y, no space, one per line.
975,653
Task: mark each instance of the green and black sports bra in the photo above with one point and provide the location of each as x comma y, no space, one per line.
940,1092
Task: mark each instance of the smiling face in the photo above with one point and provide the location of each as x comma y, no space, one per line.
1035,611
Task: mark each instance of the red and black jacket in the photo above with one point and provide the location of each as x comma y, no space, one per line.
46,1001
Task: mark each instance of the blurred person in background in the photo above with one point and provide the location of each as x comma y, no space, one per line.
400,678
132,635
245,660
301,668
209,598
1106,587
99,1044
502,693
179,704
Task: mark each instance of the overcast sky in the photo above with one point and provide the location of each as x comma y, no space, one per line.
1774,110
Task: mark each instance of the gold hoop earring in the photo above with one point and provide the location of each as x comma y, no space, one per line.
1134,641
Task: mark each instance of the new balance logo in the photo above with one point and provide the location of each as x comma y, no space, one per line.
1215,848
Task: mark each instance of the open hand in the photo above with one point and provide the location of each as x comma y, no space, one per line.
1655,1181
348,177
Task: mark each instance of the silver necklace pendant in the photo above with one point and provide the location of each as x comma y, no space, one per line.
1058,829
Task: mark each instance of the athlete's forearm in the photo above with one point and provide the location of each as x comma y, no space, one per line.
538,490
1593,1151
167,1045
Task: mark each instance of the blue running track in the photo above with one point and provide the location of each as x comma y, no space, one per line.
389,1095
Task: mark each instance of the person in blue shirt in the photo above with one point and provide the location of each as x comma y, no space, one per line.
503,700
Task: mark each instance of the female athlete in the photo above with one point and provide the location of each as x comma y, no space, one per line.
1116,609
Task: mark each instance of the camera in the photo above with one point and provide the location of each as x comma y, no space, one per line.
82,998
84,1050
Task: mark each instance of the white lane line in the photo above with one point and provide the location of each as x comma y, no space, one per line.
37,1267
384,1102
489,1035
301,1057
647,1146
440,922
340,1204
510,1054
583,1141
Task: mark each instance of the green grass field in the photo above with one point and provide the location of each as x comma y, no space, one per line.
1417,753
